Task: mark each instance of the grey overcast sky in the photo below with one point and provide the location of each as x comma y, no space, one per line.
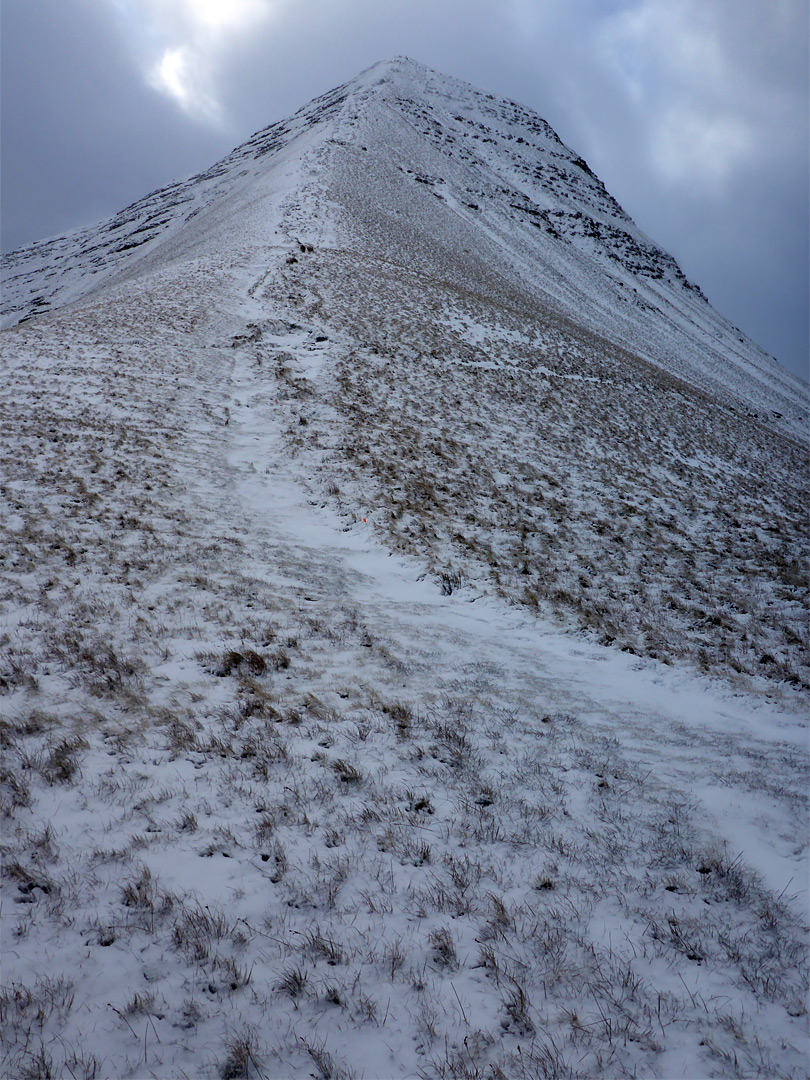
693,112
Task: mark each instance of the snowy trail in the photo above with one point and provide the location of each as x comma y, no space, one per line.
294,782
276,801
274,794
698,736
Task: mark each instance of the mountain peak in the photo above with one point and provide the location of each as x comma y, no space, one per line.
411,77
397,65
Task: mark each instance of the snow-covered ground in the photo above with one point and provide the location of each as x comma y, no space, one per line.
314,762
279,804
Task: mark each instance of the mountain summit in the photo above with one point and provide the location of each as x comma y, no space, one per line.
402,626
405,166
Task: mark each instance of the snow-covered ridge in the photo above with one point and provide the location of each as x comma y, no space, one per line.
48,274
497,175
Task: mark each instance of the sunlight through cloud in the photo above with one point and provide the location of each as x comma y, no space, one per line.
175,75
182,43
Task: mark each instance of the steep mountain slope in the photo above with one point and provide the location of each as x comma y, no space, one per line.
624,456
420,166
319,507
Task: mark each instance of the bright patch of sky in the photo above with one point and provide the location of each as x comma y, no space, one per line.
672,62
180,44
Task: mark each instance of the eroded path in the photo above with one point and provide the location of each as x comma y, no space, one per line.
277,803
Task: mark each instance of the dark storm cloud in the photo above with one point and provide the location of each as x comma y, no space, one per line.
693,112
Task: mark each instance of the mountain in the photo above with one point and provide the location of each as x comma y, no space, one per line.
403,642
534,222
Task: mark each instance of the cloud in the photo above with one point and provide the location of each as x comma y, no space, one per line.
713,80
180,74
181,44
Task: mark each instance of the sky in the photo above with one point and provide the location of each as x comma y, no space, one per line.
694,113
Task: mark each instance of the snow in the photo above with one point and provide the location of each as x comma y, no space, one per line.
298,778
509,189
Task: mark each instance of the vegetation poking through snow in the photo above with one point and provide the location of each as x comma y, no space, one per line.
564,474
300,776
